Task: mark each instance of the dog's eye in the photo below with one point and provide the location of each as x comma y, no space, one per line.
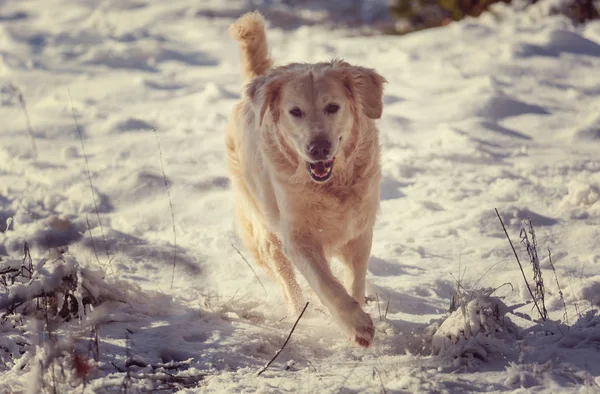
296,112
332,108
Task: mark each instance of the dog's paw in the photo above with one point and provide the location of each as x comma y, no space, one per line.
360,326
363,332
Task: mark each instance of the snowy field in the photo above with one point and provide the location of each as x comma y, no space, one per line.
478,115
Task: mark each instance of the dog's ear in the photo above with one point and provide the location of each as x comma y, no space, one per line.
264,93
365,87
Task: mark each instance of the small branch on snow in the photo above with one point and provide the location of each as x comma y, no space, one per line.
263,369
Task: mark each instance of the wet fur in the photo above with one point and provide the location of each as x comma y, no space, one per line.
285,218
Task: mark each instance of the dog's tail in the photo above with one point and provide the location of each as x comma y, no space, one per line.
249,30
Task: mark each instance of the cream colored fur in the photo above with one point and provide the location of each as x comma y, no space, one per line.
286,218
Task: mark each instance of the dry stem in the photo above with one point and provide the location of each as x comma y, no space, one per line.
250,266
263,369
29,128
162,167
89,174
560,293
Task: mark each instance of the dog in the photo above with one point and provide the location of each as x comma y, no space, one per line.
304,163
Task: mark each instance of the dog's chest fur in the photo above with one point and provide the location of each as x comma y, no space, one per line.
336,213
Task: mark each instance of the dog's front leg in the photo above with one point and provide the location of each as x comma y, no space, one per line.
356,255
307,255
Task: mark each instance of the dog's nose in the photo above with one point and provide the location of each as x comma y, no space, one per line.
319,149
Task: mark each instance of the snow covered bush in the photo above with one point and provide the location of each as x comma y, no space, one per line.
476,327
51,312
37,297
54,286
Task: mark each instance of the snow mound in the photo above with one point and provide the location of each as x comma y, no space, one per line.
477,327
590,290
495,106
581,194
145,56
132,124
213,92
513,217
589,131
555,43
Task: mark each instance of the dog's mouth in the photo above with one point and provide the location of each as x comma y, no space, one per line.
320,171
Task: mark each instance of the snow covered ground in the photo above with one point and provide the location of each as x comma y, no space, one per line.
478,115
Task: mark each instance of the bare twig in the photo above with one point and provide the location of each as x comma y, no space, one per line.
378,307
89,174
519,262
560,293
250,266
29,128
501,286
127,379
387,307
162,167
263,369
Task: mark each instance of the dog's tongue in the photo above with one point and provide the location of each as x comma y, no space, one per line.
319,168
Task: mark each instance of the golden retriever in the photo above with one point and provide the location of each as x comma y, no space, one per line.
304,161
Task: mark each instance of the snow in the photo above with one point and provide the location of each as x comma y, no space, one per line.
496,112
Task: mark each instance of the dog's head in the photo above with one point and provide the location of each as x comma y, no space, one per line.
315,106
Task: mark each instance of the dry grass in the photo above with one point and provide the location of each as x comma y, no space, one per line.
528,239
89,175
533,297
23,104
168,191
560,292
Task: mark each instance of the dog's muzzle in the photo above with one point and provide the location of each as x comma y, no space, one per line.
320,167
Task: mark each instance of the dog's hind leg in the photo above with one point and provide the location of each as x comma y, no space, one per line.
268,252
250,235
